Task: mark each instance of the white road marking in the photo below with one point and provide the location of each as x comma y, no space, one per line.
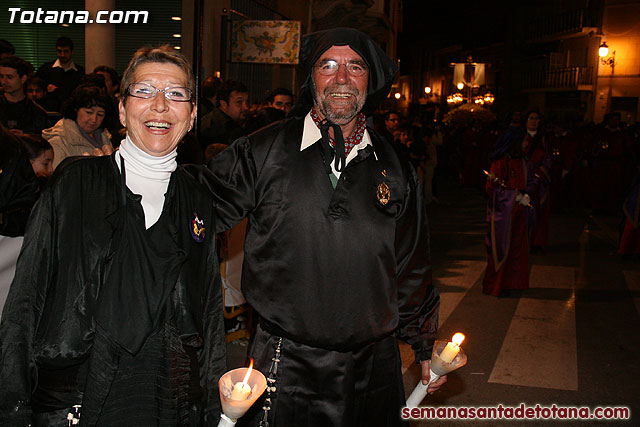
540,348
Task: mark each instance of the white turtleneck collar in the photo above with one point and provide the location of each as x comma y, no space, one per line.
532,132
147,176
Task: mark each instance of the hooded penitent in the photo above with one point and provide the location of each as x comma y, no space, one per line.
381,68
381,72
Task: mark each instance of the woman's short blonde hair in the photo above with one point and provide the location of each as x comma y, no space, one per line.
161,54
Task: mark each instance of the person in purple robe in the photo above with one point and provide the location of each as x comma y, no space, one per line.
510,216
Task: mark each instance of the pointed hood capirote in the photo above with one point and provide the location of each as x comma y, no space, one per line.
381,68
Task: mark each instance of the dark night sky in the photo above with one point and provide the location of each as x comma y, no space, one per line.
444,23
432,24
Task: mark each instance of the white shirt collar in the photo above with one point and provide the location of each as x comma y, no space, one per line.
71,66
311,134
147,176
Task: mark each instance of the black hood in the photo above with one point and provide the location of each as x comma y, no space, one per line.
381,68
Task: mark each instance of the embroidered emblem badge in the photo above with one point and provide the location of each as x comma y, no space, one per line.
197,228
383,193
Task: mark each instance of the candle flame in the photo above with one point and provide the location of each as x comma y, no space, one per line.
248,374
458,338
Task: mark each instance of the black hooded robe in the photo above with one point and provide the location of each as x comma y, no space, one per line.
336,275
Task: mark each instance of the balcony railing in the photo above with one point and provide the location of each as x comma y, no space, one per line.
570,78
569,22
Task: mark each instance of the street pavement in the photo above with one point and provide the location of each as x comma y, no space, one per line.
571,340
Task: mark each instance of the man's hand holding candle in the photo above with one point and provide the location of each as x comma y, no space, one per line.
443,362
426,376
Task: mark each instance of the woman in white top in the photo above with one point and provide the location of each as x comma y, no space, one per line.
81,132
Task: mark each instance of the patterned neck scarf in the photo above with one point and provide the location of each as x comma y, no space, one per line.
341,146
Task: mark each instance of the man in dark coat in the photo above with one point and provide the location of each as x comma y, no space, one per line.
224,124
17,112
62,75
336,253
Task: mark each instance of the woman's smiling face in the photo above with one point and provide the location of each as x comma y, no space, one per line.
157,125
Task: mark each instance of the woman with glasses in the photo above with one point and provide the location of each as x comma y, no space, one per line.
115,312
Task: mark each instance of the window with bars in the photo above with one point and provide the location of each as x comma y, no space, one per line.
36,42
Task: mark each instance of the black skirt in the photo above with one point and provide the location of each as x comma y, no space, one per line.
318,387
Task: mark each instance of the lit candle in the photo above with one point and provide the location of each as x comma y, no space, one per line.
452,349
242,390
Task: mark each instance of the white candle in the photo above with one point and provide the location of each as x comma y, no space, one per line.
452,348
240,391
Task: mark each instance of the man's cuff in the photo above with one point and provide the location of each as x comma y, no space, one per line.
423,350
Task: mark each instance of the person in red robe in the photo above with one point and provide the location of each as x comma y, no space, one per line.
539,165
509,216
630,236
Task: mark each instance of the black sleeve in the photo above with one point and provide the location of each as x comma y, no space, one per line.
19,188
418,300
231,178
34,271
212,357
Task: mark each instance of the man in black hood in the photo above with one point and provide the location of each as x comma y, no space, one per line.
336,254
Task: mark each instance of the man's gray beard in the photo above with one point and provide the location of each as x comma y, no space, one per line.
339,118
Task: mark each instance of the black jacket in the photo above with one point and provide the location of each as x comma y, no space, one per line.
25,115
49,320
66,81
218,128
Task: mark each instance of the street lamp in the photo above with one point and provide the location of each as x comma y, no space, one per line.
460,86
427,90
603,52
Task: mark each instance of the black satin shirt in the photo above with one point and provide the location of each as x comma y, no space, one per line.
335,269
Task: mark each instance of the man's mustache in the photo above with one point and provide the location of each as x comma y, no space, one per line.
346,88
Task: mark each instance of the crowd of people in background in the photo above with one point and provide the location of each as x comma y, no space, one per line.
59,111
